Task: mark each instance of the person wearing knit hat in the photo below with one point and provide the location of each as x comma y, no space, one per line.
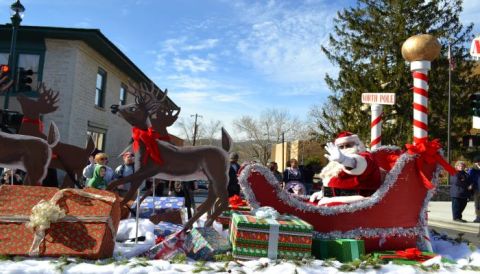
351,168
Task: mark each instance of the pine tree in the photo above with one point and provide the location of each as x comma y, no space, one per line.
366,45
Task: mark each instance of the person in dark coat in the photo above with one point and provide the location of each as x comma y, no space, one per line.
460,185
474,174
233,186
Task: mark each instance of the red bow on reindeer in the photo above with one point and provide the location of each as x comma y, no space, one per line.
148,138
428,153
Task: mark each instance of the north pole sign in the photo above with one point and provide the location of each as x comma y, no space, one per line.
378,98
475,48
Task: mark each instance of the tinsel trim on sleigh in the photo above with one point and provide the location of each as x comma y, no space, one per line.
390,179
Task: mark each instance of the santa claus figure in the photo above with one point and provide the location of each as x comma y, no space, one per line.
351,167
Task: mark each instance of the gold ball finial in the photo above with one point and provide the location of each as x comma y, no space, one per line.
422,47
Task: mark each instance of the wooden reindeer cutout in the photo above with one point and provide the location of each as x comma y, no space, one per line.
28,153
164,160
67,157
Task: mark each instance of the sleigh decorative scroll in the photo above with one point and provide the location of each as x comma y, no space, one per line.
393,218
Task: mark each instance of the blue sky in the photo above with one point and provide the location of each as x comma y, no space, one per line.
218,58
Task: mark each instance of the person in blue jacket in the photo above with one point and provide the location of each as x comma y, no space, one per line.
474,174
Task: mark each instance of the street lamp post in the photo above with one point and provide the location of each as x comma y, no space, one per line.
17,10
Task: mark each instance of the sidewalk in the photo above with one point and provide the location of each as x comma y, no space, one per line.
440,219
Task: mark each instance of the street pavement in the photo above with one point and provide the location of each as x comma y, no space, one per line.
439,218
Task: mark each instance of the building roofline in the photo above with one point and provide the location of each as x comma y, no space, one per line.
95,39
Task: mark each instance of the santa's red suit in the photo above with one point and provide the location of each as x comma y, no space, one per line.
365,177
359,172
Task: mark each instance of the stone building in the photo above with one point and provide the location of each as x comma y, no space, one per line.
90,73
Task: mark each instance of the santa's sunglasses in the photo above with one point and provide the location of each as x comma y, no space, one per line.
346,145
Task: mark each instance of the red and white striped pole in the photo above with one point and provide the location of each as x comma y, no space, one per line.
376,126
420,50
420,99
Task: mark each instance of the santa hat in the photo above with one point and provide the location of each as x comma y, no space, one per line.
347,137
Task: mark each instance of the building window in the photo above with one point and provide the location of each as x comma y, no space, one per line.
100,88
123,95
25,62
98,136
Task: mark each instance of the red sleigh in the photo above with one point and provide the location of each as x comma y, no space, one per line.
393,218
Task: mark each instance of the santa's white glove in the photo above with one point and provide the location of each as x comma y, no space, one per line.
335,154
316,196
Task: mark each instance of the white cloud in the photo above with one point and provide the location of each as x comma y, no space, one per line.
202,45
284,44
470,13
193,64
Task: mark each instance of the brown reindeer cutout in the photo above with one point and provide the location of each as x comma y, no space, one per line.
179,163
28,153
67,157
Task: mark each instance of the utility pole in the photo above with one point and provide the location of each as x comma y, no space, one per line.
283,150
195,127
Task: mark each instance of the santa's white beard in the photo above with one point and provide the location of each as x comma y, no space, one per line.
332,169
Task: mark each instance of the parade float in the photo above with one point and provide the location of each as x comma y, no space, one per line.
390,224
395,216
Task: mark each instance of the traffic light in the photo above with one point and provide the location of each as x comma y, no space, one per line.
25,80
4,69
475,104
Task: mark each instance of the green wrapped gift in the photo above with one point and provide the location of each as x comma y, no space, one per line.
344,250
204,242
410,256
286,237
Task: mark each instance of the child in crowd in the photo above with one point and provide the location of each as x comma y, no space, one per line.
98,180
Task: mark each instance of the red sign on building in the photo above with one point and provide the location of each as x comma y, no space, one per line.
475,48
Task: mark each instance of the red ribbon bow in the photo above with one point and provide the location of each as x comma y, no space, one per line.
409,254
235,202
428,153
33,121
148,138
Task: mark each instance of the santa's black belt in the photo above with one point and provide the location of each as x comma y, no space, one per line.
332,192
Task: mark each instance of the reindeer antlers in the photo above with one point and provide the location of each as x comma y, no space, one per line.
151,97
48,98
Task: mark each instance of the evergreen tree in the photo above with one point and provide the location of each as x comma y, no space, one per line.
366,45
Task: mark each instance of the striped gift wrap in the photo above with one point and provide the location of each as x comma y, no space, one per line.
286,238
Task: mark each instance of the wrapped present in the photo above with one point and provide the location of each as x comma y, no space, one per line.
169,247
46,221
226,217
409,256
205,242
164,229
285,237
167,209
344,250
238,204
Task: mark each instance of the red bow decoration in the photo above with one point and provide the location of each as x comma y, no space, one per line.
33,121
235,202
410,254
428,153
148,138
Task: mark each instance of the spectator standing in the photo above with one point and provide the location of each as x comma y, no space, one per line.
184,189
273,166
459,191
124,170
99,159
233,186
308,173
474,174
293,178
